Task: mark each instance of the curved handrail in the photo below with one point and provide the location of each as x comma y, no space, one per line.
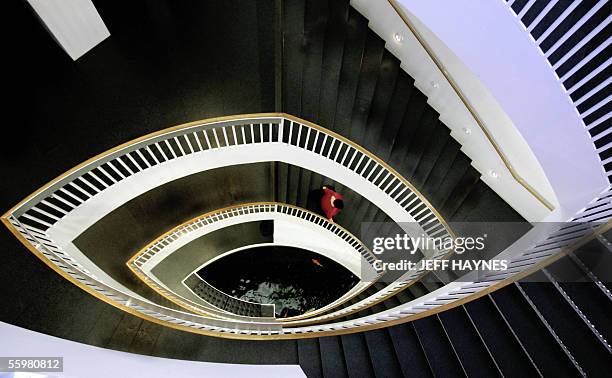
39,212
287,131
225,302
548,250
468,105
56,200
156,246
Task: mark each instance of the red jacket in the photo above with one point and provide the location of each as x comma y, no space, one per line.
327,203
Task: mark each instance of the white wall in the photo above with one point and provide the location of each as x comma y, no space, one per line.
485,36
81,360
74,24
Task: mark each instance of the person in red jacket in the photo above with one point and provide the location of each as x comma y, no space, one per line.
331,202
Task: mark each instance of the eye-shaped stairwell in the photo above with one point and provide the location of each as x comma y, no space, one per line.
350,84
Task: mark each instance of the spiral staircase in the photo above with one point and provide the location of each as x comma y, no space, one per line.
313,97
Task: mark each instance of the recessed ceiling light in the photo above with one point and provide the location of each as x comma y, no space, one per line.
435,84
493,174
467,130
398,37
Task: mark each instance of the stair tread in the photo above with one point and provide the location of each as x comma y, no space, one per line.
332,357
433,151
457,170
457,198
309,357
357,355
315,23
381,101
354,46
333,50
581,342
368,78
293,56
410,354
539,342
501,342
416,106
382,354
467,343
437,347
441,168
424,133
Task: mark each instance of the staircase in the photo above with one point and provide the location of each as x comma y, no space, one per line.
336,73
525,329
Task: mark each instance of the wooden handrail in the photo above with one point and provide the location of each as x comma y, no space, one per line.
468,105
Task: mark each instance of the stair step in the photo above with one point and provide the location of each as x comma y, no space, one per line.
315,23
590,299
303,188
421,137
410,354
293,55
357,355
354,47
505,348
417,105
456,172
404,296
579,339
293,184
417,289
309,357
332,357
438,349
441,168
597,260
382,354
383,96
431,154
404,88
460,196
333,51
282,175
370,67
546,352
468,344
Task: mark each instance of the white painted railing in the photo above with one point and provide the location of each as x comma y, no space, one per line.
76,188
282,137
143,262
67,206
572,38
529,253
225,302
141,258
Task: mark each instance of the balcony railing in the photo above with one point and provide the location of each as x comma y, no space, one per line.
226,302
265,137
574,37
544,251
161,247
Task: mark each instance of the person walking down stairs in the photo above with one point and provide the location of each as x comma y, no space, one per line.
331,202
